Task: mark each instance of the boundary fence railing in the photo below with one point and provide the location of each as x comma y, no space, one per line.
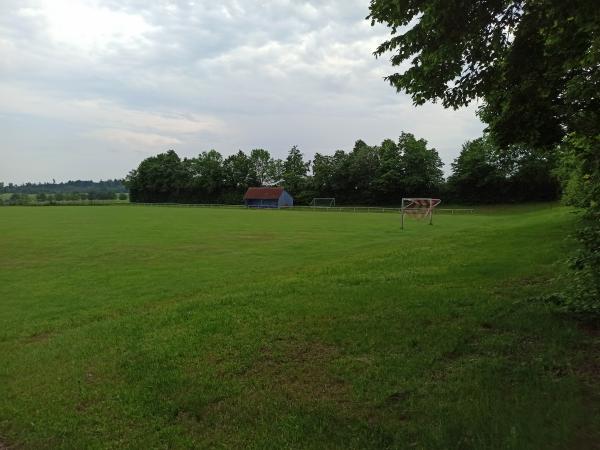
356,209
374,209
353,209
68,203
194,205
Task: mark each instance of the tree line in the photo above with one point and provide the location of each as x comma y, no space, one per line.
368,175
67,187
16,199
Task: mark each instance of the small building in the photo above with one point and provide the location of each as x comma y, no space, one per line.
267,197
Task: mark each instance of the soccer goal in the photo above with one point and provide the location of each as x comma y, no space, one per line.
326,202
418,208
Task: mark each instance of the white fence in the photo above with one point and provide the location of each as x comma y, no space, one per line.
352,209
194,205
374,209
7,203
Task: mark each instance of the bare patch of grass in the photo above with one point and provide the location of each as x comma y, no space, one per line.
300,370
38,337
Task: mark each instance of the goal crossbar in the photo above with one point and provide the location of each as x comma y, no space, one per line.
323,202
419,208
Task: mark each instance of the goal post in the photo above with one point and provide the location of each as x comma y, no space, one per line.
323,202
418,208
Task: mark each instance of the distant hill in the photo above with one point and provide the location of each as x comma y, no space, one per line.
76,186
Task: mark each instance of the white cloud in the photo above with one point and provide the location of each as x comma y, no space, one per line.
102,113
131,76
135,139
87,25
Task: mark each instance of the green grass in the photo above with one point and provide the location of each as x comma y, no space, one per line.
157,327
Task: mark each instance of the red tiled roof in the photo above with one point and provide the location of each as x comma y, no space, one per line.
263,193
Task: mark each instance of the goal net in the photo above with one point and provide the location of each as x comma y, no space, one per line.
419,208
326,202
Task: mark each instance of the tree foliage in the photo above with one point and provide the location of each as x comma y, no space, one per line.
485,173
536,65
295,172
366,175
67,187
534,62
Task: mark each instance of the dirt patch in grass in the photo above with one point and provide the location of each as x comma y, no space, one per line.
38,337
397,397
517,286
255,237
287,370
300,370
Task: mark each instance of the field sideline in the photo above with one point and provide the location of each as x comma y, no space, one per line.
139,327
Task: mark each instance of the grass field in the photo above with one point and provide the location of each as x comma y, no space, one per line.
140,327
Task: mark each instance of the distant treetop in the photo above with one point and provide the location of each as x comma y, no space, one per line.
71,186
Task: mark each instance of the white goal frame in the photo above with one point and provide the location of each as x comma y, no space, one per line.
419,206
331,201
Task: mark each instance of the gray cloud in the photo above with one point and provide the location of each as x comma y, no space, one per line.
91,87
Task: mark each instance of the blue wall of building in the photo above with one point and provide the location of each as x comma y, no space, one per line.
257,203
285,199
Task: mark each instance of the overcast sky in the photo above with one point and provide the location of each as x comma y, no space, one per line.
88,88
